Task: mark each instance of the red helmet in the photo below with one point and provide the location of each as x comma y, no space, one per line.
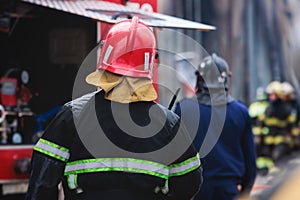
129,49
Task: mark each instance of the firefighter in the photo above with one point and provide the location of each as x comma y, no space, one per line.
264,160
289,98
277,122
256,109
117,143
229,167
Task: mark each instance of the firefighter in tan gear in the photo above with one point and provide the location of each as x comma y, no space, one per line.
278,125
117,143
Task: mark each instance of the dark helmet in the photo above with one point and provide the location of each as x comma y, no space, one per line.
213,73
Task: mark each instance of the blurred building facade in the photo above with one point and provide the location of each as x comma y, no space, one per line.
260,39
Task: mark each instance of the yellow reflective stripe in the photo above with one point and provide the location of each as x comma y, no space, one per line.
261,117
72,181
132,165
74,168
292,118
115,164
185,166
52,149
53,145
264,162
272,121
295,131
278,139
268,140
256,130
275,140
265,130
257,108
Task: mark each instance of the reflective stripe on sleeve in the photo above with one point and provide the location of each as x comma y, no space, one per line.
185,166
52,149
118,164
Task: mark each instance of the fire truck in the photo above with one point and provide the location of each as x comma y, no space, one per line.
48,40
15,116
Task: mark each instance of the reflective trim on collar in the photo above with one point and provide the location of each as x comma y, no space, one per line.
52,149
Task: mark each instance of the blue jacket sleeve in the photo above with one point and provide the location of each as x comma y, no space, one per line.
250,157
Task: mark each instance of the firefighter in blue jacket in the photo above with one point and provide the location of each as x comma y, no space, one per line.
224,134
117,143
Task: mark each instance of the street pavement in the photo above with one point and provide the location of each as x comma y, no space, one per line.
266,184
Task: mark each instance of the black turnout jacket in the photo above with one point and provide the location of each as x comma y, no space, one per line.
100,149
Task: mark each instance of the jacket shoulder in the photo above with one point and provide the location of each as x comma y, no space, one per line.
241,104
78,104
